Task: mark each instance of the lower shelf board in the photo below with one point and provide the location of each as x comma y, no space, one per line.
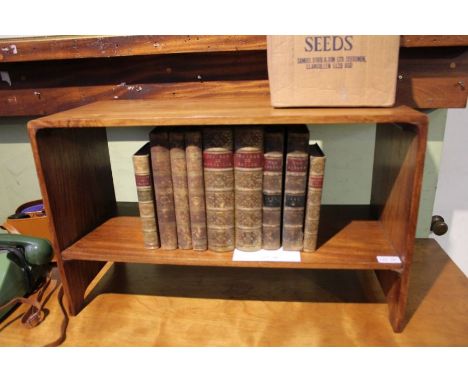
119,239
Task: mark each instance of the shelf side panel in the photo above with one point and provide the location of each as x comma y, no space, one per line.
76,183
396,187
396,183
78,179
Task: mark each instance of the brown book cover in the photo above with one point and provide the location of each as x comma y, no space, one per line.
248,180
196,189
144,183
161,163
314,197
219,187
297,160
180,187
272,186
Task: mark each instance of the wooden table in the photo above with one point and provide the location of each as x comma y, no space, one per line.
150,305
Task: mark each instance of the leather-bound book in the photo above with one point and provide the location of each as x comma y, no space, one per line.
219,187
272,186
162,179
179,184
144,183
196,189
297,160
314,197
248,180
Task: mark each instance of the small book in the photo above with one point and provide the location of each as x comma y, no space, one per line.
248,180
162,179
180,187
144,183
272,186
314,197
196,189
297,160
219,187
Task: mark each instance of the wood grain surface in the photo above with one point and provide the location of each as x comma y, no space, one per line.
79,47
51,79
416,41
396,187
433,77
75,177
396,181
151,305
44,101
216,110
345,243
132,70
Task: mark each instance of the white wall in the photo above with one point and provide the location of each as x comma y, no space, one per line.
18,180
451,201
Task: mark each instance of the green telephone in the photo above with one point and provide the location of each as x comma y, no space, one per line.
24,262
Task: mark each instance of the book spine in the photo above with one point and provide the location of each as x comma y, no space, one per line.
272,188
248,180
219,187
161,163
297,160
294,200
196,189
314,199
179,183
146,205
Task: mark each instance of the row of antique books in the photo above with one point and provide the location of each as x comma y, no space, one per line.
219,188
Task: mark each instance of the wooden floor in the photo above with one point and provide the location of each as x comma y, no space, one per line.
151,305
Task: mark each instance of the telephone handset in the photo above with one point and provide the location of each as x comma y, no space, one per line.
24,262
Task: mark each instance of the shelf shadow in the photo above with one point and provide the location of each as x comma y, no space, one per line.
428,264
240,283
261,284
250,283
335,217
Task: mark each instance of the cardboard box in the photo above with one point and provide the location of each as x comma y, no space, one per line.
332,70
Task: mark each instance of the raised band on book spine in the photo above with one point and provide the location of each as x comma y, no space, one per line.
297,160
219,187
196,189
162,179
314,197
248,175
146,204
272,187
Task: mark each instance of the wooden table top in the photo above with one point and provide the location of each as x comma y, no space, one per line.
150,305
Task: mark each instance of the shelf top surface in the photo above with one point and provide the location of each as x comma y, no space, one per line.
241,110
351,245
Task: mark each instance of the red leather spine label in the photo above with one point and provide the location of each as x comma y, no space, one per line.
248,160
217,160
143,180
316,181
297,164
273,164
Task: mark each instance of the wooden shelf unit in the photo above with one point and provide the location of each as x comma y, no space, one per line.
72,159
